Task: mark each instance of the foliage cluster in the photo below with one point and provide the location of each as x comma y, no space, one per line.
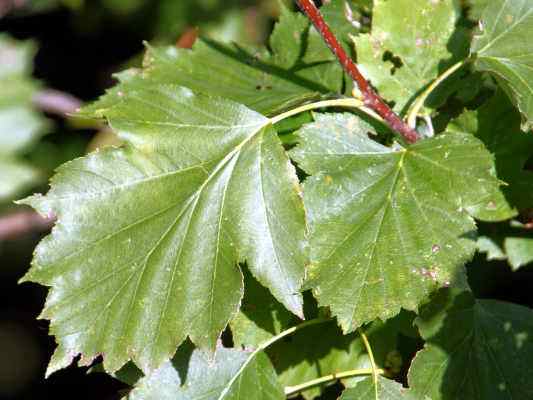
253,188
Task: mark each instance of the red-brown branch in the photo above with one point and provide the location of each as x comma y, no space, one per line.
370,98
20,223
56,102
187,39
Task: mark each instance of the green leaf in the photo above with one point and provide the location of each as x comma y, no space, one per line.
260,317
407,48
317,62
216,18
476,8
388,226
511,242
193,375
323,350
487,244
387,390
20,125
504,48
519,251
297,70
17,57
475,349
497,125
286,40
16,176
344,18
148,238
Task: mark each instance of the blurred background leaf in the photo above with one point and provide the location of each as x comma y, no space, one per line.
20,124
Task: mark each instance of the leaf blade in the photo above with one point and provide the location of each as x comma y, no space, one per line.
504,49
387,390
408,47
232,375
202,182
481,346
377,236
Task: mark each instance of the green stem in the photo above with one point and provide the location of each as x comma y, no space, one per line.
347,102
268,343
290,331
290,390
371,98
419,103
375,369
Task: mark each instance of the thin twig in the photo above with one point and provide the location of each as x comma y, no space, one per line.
375,369
56,102
348,102
370,98
268,343
290,390
419,103
20,223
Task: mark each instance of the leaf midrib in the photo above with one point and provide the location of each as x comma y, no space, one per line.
378,231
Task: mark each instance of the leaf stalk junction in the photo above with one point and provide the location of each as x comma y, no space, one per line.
370,98
292,390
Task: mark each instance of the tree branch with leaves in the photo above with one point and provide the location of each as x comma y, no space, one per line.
200,223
